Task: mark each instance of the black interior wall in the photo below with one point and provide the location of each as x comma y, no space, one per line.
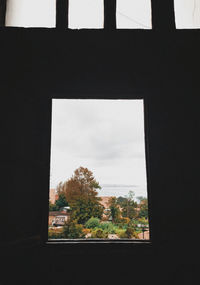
162,67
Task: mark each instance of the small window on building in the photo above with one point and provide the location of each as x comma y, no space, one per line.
31,13
98,185
134,14
86,14
187,14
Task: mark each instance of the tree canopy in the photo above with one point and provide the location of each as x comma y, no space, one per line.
81,193
128,205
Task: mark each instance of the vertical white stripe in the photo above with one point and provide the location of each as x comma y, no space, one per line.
87,14
187,14
134,14
31,13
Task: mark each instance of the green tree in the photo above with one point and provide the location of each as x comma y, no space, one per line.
99,233
53,207
61,201
143,208
73,230
128,205
85,208
130,233
92,223
114,209
81,194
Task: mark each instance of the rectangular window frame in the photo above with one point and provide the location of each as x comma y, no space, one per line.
66,242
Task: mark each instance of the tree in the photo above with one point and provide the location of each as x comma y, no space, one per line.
141,198
114,209
143,208
99,233
73,230
80,192
128,205
92,223
61,201
53,207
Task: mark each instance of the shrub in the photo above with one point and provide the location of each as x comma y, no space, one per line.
121,233
128,233
92,223
99,233
73,230
55,234
86,231
125,220
108,227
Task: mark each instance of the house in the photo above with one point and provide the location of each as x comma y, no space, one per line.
105,201
58,217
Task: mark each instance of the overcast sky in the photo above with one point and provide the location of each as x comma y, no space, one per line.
106,136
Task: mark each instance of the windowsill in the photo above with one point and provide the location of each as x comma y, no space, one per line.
96,241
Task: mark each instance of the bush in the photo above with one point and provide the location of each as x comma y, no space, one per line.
55,234
122,226
86,231
121,233
73,230
108,227
53,207
128,233
92,223
99,233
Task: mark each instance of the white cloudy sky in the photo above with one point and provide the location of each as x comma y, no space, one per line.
106,136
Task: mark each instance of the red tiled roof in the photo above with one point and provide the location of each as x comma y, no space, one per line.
105,201
58,213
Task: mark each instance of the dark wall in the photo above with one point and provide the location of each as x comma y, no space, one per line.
162,67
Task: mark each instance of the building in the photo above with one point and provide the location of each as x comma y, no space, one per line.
53,196
146,235
105,201
59,217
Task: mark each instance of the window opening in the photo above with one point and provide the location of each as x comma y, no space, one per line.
88,14
187,14
31,13
134,14
98,187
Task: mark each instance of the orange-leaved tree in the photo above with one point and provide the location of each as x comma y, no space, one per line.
81,194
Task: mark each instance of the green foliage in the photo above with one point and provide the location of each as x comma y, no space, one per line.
108,227
121,233
53,207
127,233
114,210
61,202
130,232
80,192
99,233
121,201
92,223
73,230
84,209
143,208
128,205
55,234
